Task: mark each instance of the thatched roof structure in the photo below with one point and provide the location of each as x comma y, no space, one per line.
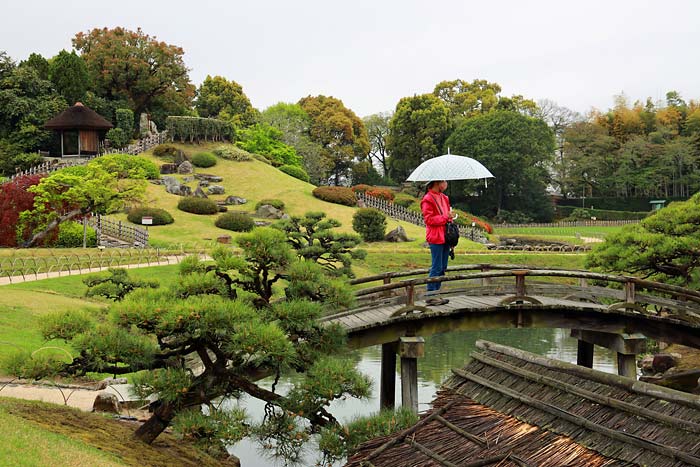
78,117
510,408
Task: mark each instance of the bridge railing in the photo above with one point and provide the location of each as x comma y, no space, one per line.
681,302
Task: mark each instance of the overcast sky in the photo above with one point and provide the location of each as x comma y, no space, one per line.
370,53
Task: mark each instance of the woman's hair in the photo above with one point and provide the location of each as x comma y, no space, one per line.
430,184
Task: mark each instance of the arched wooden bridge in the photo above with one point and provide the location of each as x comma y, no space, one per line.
614,311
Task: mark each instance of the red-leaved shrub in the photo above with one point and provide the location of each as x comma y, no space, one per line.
14,198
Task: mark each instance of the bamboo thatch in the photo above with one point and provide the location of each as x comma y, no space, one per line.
78,117
510,408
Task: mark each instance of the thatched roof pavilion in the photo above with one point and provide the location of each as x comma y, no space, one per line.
510,408
81,130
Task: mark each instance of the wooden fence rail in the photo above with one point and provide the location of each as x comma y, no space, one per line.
142,145
569,224
401,213
125,232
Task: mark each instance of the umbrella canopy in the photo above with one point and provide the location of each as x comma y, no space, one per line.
449,167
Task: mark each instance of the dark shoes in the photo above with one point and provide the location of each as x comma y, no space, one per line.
437,301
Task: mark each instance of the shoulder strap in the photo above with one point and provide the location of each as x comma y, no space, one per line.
437,203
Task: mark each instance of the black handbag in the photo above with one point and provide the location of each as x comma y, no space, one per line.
451,230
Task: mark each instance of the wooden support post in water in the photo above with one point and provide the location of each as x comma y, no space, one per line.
584,354
627,346
627,365
387,383
410,349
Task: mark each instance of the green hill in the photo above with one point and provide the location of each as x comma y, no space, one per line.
253,180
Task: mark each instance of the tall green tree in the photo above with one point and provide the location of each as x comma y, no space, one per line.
378,132
220,98
26,103
467,99
131,65
340,132
39,63
294,123
417,132
69,74
517,149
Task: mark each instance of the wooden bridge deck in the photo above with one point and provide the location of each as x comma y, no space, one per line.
490,299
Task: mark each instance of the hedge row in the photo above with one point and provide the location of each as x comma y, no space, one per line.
601,214
615,204
336,194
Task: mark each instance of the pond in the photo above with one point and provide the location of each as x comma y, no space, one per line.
442,353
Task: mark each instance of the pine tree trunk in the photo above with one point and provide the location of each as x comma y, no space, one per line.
154,426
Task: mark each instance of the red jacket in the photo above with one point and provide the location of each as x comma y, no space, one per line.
434,221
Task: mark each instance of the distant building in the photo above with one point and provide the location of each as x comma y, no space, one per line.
81,130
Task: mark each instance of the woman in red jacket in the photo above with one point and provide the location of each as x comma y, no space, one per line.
436,209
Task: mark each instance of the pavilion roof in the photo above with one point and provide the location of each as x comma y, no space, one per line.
78,117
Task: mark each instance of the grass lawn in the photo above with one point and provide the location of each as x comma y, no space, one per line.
37,434
583,231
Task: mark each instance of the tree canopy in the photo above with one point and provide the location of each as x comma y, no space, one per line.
340,132
664,246
517,149
131,65
220,98
417,132
69,75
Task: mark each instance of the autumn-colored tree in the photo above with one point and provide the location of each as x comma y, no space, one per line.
340,132
134,66
220,98
417,132
466,99
15,198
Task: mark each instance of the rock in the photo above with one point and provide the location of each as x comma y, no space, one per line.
156,181
110,381
663,361
106,402
225,239
168,168
686,381
199,193
187,179
267,211
209,178
235,200
647,364
203,183
261,223
185,168
397,235
216,190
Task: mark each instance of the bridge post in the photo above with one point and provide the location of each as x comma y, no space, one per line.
410,349
584,353
627,346
485,280
387,383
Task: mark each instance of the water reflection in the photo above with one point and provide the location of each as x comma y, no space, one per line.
442,353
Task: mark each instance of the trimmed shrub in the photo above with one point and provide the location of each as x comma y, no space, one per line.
236,221
336,194
195,205
232,153
381,193
361,188
404,200
10,162
275,203
204,159
128,166
370,223
571,213
117,137
160,216
70,235
262,158
165,150
296,172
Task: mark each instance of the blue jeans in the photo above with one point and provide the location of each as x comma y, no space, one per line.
439,254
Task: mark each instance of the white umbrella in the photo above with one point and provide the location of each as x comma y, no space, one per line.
449,167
